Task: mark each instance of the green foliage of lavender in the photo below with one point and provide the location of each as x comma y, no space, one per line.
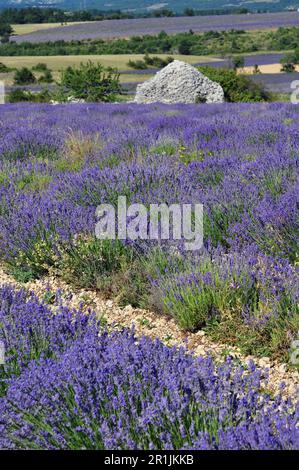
240,160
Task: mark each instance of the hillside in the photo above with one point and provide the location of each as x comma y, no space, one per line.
175,5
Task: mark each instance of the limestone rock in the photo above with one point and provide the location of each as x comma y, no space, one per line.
179,82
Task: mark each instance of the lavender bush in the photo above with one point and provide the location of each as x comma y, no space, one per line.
30,332
79,387
239,160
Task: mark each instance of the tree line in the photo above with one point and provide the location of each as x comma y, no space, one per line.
55,15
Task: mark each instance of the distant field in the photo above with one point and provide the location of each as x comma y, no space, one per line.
20,29
276,82
268,64
260,59
270,68
58,63
135,78
142,26
8,78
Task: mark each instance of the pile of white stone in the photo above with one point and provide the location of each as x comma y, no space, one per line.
70,100
179,82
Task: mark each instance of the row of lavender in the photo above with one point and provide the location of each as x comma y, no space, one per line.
68,384
58,163
141,26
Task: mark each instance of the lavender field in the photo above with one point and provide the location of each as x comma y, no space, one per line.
135,27
57,164
276,82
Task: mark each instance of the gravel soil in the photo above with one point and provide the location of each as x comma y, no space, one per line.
156,326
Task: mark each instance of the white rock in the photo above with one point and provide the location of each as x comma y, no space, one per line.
179,82
264,362
73,100
200,333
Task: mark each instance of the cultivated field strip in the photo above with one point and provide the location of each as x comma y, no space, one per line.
109,29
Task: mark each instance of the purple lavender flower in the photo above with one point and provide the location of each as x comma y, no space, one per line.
114,392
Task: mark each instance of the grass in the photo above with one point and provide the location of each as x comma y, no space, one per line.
127,78
8,78
263,51
20,29
270,68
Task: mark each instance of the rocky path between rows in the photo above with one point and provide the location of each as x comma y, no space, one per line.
157,326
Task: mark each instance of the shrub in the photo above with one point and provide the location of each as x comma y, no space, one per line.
256,69
24,76
238,62
291,58
40,67
137,64
149,61
288,67
237,88
184,47
156,61
44,96
91,82
18,95
47,77
4,68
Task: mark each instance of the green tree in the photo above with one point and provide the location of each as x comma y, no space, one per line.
163,12
185,47
189,12
288,67
291,58
24,76
90,82
256,69
5,32
296,55
238,62
237,88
